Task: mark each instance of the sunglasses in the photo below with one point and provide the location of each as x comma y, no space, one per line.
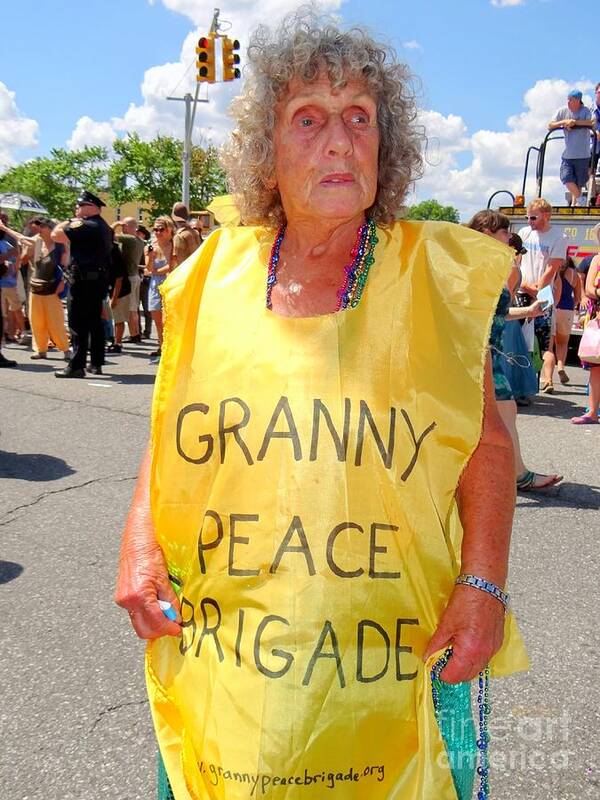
532,217
158,230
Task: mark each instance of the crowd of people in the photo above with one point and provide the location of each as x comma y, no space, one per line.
48,266
107,276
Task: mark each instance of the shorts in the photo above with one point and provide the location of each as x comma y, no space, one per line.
574,170
154,298
544,331
564,321
10,299
120,313
134,297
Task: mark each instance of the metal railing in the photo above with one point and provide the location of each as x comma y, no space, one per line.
540,163
501,191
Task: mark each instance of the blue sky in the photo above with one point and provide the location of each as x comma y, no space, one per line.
75,73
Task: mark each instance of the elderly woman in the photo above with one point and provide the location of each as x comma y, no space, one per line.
327,501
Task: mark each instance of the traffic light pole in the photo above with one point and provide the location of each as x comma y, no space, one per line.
206,74
190,115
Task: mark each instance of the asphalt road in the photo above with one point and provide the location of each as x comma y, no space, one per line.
74,718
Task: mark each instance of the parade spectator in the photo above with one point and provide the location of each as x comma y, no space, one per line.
186,239
584,265
492,223
576,121
91,240
143,234
592,292
6,251
159,262
132,250
47,283
10,297
119,292
196,225
546,250
517,365
568,299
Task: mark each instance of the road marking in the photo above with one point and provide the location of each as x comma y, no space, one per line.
103,385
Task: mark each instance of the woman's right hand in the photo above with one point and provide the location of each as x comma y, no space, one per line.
142,581
143,578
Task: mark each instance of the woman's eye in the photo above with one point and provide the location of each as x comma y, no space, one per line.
306,122
359,119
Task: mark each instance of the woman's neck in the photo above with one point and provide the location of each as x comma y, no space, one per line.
47,240
306,242
310,270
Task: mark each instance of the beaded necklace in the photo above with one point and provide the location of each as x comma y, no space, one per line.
355,273
483,707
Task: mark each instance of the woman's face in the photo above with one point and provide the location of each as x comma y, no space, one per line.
501,235
162,233
326,150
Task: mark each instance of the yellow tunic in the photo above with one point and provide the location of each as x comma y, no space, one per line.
302,488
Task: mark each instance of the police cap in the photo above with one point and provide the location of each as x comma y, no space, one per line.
86,197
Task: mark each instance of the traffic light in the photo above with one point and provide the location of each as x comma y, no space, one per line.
206,60
230,59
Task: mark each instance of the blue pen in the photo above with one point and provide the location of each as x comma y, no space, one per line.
168,610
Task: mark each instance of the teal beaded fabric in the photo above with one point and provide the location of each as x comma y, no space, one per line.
455,719
164,791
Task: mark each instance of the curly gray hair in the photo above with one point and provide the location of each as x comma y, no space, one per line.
305,45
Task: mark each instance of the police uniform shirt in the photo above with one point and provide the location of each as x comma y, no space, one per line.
91,242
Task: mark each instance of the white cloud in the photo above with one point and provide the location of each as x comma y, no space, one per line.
496,159
16,131
412,44
89,132
504,3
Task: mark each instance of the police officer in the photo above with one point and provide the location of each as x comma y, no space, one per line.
90,239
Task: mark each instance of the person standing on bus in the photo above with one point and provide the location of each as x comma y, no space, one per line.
595,145
576,122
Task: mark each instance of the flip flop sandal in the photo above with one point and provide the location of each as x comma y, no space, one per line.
526,482
564,378
584,419
548,388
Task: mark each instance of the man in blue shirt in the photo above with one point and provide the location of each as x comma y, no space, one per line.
576,122
6,252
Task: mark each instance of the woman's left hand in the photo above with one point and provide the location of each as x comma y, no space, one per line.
536,309
473,623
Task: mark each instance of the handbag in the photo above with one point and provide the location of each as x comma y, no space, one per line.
589,346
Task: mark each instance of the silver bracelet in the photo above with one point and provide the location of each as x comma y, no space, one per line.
485,586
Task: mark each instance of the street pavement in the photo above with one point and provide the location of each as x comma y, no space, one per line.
74,718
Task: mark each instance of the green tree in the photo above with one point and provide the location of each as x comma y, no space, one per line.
56,180
207,177
149,173
431,209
